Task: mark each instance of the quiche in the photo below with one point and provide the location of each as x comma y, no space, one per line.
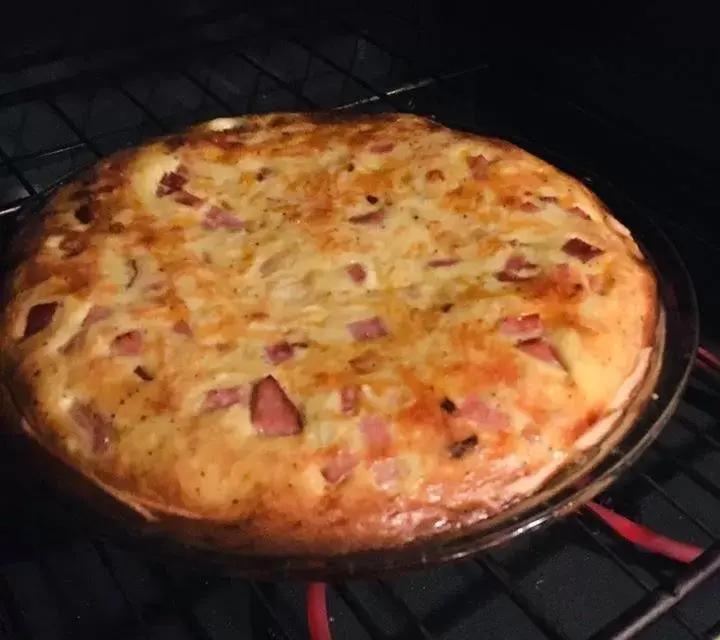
320,334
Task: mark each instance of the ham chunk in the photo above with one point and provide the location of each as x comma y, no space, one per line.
577,248
480,414
526,326
225,397
376,432
356,272
542,350
272,413
96,429
517,268
279,352
367,329
127,344
39,317
217,218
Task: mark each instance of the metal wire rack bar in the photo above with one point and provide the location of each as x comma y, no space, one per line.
419,628
662,598
503,580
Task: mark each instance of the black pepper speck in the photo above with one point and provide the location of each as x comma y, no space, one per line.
448,406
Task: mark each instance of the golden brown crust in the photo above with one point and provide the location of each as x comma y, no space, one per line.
321,333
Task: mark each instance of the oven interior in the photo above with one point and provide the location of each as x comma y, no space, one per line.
628,102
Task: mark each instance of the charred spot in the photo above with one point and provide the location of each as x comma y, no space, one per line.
142,373
116,227
83,214
461,448
351,167
264,173
372,199
446,307
448,406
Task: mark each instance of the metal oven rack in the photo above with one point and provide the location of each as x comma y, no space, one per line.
64,105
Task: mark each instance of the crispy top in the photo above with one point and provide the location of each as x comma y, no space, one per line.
334,333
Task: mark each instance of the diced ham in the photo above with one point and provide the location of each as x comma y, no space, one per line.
127,344
217,218
442,262
517,262
170,183
526,326
381,147
577,211
368,329
188,199
225,397
462,447
183,328
479,166
529,207
542,350
143,374
97,429
517,268
373,217
272,413
577,248
339,467
39,317
356,272
385,472
349,398
375,432
279,352
480,414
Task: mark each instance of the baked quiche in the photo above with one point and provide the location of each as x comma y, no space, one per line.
306,333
